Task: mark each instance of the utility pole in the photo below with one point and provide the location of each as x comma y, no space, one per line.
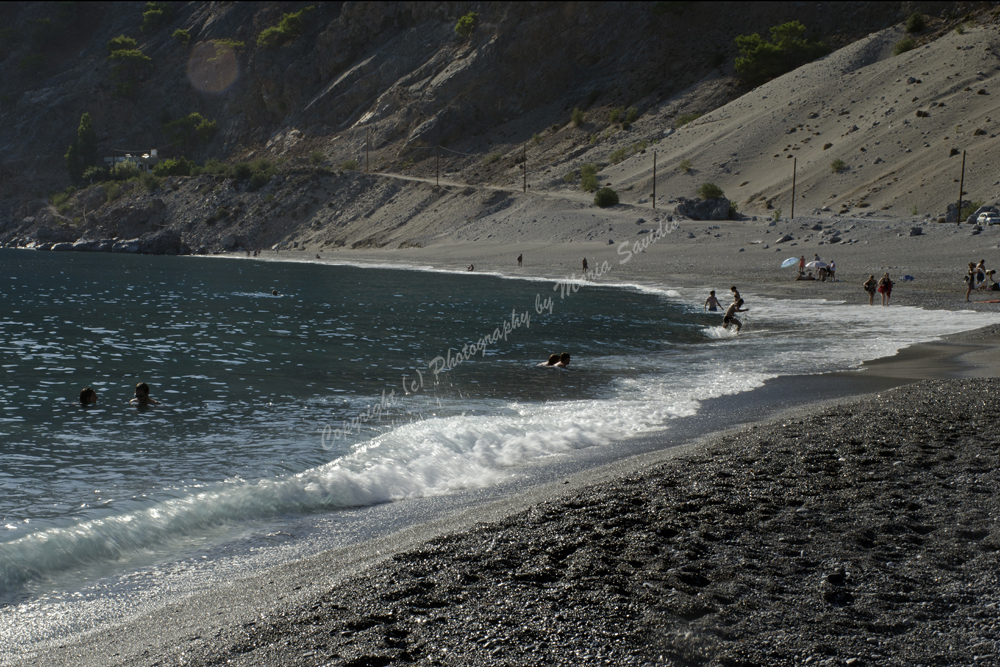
961,186
654,180
794,163
368,145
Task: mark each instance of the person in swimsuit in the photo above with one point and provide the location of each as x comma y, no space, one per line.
563,360
736,293
885,289
711,303
519,258
970,280
88,396
730,317
802,265
869,286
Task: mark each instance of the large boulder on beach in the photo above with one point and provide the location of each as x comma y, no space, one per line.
704,209
167,242
952,214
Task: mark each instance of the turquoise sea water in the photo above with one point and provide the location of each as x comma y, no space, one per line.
351,387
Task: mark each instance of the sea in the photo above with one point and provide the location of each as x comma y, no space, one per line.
297,396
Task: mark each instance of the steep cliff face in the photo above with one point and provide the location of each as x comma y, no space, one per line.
392,77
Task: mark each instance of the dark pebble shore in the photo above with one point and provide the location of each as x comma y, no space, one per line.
861,532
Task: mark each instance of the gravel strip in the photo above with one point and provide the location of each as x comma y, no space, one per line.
860,533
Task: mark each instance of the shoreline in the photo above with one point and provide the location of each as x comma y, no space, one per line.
211,627
205,634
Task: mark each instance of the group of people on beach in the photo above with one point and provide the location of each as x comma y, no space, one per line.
712,304
883,286
88,396
978,278
824,272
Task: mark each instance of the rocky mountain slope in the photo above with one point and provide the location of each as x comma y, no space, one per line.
451,130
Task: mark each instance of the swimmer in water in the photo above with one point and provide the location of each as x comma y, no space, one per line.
142,396
88,396
551,363
563,360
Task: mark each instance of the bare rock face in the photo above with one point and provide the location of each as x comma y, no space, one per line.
56,234
167,242
704,209
93,198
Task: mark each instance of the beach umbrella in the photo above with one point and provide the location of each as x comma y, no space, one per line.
791,261
816,265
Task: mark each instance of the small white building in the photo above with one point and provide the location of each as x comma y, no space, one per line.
145,163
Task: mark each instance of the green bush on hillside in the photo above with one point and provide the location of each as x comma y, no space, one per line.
577,117
605,197
349,165
915,22
82,153
125,170
217,168
290,27
904,45
627,152
588,177
968,208
96,174
179,167
226,43
684,119
149,182
258,180
121,43
838,166
467,25
710,191
192,129
760,61
155,14
242,171
182,36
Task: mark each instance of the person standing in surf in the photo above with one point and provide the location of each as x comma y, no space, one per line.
730,317
711,303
